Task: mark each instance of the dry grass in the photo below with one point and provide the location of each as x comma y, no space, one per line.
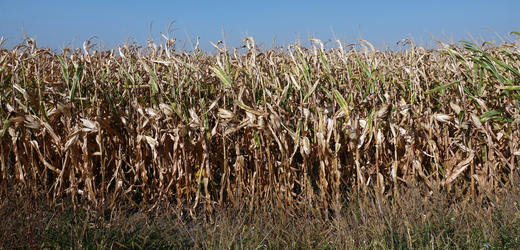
290,127
436,221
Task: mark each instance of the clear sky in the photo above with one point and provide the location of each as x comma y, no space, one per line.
56,23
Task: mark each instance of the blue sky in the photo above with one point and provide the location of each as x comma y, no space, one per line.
56,23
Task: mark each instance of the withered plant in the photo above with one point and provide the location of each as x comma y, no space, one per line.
278,126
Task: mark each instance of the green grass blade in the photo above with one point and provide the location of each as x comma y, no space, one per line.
185,64
132,80
6,125
440,88
326,92
225,78
365,69
506,66
306,69
64,70
205,117
325,64
311,91
75,82
153,79
4,64
342,103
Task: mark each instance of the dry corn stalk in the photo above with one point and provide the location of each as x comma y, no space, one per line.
148,124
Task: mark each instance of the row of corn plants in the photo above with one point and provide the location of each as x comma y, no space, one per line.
285,125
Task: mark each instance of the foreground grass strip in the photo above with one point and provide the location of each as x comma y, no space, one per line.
411,222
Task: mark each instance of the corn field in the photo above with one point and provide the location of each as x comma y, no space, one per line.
288,125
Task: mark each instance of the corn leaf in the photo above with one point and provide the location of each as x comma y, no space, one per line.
441,88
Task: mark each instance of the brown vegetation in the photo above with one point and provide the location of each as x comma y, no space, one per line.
283,126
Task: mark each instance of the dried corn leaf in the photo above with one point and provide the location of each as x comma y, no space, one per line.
458,170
